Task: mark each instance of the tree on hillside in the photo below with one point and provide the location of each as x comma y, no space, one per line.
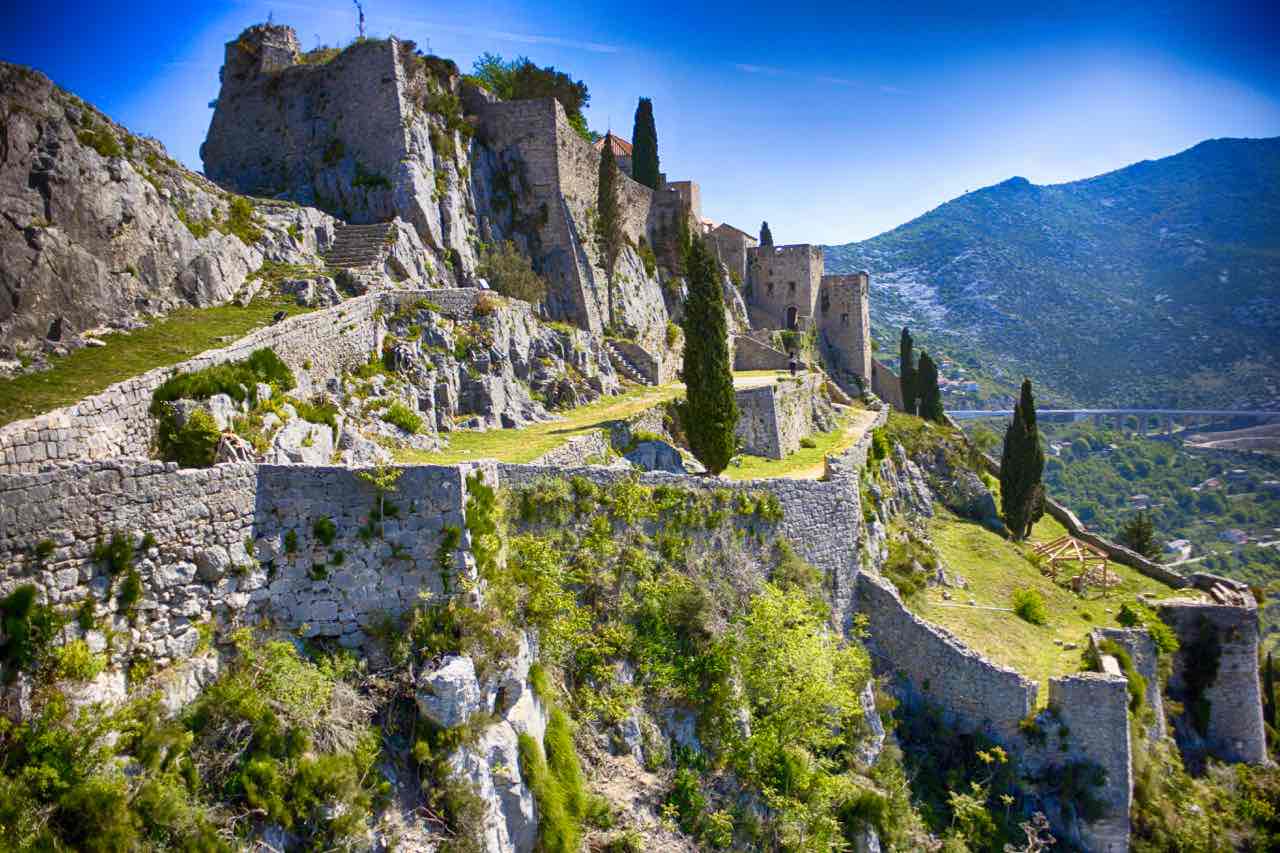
926,385
710,412
1022,468
510,273
766,236
520,79
1140,535
608,215
644,146
907,369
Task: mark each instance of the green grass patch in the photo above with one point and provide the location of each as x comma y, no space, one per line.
808,461
175,338
996,568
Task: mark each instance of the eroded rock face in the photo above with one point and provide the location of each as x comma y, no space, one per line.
656,456
90,227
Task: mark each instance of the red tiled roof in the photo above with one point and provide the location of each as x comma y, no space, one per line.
619,147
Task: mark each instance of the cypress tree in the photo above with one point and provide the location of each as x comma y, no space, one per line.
710,412
925,384
1021,468
766,236
644,146
908,369
608,217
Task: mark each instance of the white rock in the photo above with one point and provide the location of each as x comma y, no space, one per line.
450,694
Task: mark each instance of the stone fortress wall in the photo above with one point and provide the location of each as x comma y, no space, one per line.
115,422
1235,730
822,519
784,281
773,418
223,540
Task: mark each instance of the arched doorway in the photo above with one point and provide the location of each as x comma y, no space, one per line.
792,316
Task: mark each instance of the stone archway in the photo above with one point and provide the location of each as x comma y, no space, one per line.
793,317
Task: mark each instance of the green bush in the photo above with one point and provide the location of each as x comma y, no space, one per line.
325,530
241,221
558,831
236,379
808,442
1029,605
29,628
100,138
318,411
510,273
74,661
398,414
192,445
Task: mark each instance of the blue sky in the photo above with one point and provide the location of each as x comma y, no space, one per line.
835,122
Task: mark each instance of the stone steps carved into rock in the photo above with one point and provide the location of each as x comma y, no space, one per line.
358,246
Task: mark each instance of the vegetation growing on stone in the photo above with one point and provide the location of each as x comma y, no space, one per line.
510,273
907,373
237,379
609,235
520,79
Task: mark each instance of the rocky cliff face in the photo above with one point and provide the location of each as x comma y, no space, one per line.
98,227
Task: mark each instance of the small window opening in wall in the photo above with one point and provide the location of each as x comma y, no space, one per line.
791,287
770,288
844,319
792,318
826,302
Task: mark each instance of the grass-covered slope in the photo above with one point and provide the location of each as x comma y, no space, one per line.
176,337
1152,284
994,568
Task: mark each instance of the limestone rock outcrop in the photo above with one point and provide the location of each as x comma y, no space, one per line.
99,227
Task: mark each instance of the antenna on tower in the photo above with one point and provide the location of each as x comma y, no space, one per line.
360,10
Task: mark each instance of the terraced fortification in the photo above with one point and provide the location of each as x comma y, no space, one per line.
228,620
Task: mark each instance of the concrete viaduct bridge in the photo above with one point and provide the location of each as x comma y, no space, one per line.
1148,420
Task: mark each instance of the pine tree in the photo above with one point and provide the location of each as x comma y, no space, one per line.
1021,468
710,412
925,385
908,368
766,236
1140,535
644,146
608,217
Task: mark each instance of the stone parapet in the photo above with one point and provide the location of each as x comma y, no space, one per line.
977,694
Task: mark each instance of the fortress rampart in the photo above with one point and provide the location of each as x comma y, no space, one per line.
235,543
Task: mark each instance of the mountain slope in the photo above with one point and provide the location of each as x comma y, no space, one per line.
1155,284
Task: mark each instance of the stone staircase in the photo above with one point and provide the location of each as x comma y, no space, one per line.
359,247
625,365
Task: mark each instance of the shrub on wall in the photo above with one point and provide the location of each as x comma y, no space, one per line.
237,379
192,445
510,273
398,414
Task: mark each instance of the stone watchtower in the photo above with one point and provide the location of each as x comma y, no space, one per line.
844,324
784,282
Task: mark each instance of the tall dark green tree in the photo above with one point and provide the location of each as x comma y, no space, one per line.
907,357
926,385
608,216
644,146
710,412
1022,468
1140,535
766,236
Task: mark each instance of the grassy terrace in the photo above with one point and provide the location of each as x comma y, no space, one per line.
169,340
528,443
994,567
807,463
